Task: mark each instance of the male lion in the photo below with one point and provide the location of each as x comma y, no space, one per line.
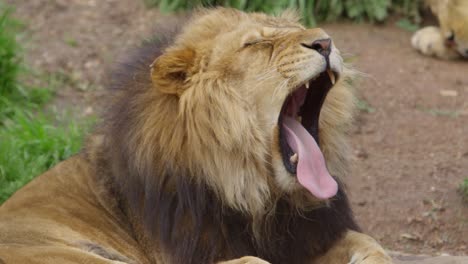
211,152
450,40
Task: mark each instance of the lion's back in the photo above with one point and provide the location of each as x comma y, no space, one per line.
64,216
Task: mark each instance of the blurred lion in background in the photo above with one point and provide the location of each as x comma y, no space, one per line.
224,142
450,39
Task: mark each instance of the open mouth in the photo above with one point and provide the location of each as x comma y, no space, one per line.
299,135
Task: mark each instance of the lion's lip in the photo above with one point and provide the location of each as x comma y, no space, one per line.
304,105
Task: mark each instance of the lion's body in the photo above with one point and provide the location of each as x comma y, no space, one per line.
66,216
186,167
450,39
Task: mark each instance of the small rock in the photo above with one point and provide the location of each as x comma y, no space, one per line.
448,93
411,237
88,111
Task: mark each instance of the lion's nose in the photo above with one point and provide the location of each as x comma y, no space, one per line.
322,46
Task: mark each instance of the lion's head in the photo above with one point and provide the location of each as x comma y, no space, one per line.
453,18
245,103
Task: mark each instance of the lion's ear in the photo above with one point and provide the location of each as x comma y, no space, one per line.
170,70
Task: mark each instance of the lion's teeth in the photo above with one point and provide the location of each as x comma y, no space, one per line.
307,85
293,158
299,119
332,76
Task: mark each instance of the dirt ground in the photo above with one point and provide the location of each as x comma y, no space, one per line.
410,138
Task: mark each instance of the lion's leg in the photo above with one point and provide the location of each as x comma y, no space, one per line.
245,260
429,41
355,248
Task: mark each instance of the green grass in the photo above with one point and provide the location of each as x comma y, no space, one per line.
439,112
364,106
407,25
312,11
463,189
30,142
9,59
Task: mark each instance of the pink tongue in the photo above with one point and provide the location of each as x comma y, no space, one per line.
311,170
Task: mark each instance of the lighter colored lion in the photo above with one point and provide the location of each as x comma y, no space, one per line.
450,40
211,151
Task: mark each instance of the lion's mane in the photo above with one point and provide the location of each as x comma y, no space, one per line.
161,156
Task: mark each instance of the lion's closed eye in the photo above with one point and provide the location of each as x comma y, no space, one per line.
258,43
251,38
253,42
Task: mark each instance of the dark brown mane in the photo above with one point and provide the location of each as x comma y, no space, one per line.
169,209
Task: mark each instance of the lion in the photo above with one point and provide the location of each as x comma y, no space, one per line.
211,151
450,40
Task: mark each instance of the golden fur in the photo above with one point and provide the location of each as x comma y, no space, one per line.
186,167
450,39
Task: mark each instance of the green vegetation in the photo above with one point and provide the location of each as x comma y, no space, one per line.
364,106
439,112
406,24
408,8
464,190
313,11
9,61
30,143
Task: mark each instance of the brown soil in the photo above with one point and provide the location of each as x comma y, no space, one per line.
410,141
412,151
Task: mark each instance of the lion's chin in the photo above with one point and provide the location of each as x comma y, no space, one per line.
299,138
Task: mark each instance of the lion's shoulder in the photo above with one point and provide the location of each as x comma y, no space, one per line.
70,209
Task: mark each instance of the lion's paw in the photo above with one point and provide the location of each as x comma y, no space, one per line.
246,260
374,257
428,41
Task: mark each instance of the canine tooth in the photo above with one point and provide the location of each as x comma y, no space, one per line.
307,85
332,76
299,119
293,158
